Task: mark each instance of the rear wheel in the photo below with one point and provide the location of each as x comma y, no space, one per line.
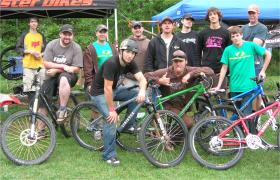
164,151
11,64
219,154
87,125
17,144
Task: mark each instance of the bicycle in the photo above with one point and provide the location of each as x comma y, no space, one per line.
166,125
233,137
28,137
11,64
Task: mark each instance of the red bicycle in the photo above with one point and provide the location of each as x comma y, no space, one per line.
226,140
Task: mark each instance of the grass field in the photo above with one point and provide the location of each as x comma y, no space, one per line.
70,161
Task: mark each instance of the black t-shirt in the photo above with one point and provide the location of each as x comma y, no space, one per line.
212,43
111,70
190,41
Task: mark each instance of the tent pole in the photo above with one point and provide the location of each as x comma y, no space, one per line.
107,24
116,30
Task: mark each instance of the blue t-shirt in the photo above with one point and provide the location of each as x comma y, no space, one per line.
103,52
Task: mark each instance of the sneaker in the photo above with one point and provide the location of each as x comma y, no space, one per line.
61,115
41,134
113,161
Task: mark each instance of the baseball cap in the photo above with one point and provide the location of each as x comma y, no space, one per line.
136,23
67,28
166,18
101,27
253,8
179,56
188,16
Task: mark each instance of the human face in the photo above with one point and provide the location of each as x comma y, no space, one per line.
128,56
213,17
179,66
253,17
33,24
66,38
137,31
236,39
167,27
187,23
102,35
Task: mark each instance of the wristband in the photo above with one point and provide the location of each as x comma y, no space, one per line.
111,109
158,81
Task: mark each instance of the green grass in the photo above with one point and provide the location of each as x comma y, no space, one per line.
70,161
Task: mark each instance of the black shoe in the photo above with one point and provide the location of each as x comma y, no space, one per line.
113,161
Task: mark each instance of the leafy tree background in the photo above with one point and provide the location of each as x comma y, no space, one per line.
10,30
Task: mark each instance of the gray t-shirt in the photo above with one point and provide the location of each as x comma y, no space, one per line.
257,31
71,55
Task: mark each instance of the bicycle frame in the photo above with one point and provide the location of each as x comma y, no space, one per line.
242,120
198,89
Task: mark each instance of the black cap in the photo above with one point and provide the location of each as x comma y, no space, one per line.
101,27
67,28
166,18
136,23
179,56
188,16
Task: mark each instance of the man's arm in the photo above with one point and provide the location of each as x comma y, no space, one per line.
266,63
196,71
88,67
222,76
142,85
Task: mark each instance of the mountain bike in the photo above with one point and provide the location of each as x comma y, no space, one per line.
228,139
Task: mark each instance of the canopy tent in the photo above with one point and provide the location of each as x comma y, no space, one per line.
12,9
233,11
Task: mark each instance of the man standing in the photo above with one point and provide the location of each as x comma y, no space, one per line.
96,54
62,60
161,47
105,91
189,37
31,44
181,74
142,42
239,60
212,41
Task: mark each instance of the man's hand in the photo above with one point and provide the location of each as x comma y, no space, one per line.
262,75
215,89
164,80
51,72
186,78
113,117
141,97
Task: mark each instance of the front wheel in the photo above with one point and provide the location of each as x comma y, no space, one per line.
221,152
19,146
164,149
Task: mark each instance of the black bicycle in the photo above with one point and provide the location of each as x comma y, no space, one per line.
11,64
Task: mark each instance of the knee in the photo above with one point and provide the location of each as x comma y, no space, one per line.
64,82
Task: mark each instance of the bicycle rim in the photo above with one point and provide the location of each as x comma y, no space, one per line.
164,151
17,144
86,121
211,151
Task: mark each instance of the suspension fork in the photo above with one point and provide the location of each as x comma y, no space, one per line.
34,111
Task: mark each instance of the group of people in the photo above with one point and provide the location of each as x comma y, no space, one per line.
166,58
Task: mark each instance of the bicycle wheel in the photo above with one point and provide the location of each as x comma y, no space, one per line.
86,126
217,155
164,151
226,111
17,144
270,136
11,64
129,139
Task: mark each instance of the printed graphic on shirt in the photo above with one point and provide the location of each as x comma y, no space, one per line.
60,59
189,40
214,42
240,55
34,44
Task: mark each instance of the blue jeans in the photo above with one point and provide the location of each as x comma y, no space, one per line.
110,130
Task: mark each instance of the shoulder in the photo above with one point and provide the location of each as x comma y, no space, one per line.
262,26
76,45
53,43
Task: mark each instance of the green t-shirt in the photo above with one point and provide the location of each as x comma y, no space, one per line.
103,52
240,61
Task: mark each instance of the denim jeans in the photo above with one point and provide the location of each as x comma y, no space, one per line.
110,130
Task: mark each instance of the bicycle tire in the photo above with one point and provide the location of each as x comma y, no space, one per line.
174,147
81,119
16,129
226,111
127,140
207,157
278,139
5,64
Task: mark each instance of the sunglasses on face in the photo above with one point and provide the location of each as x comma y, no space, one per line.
137,27
103,31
